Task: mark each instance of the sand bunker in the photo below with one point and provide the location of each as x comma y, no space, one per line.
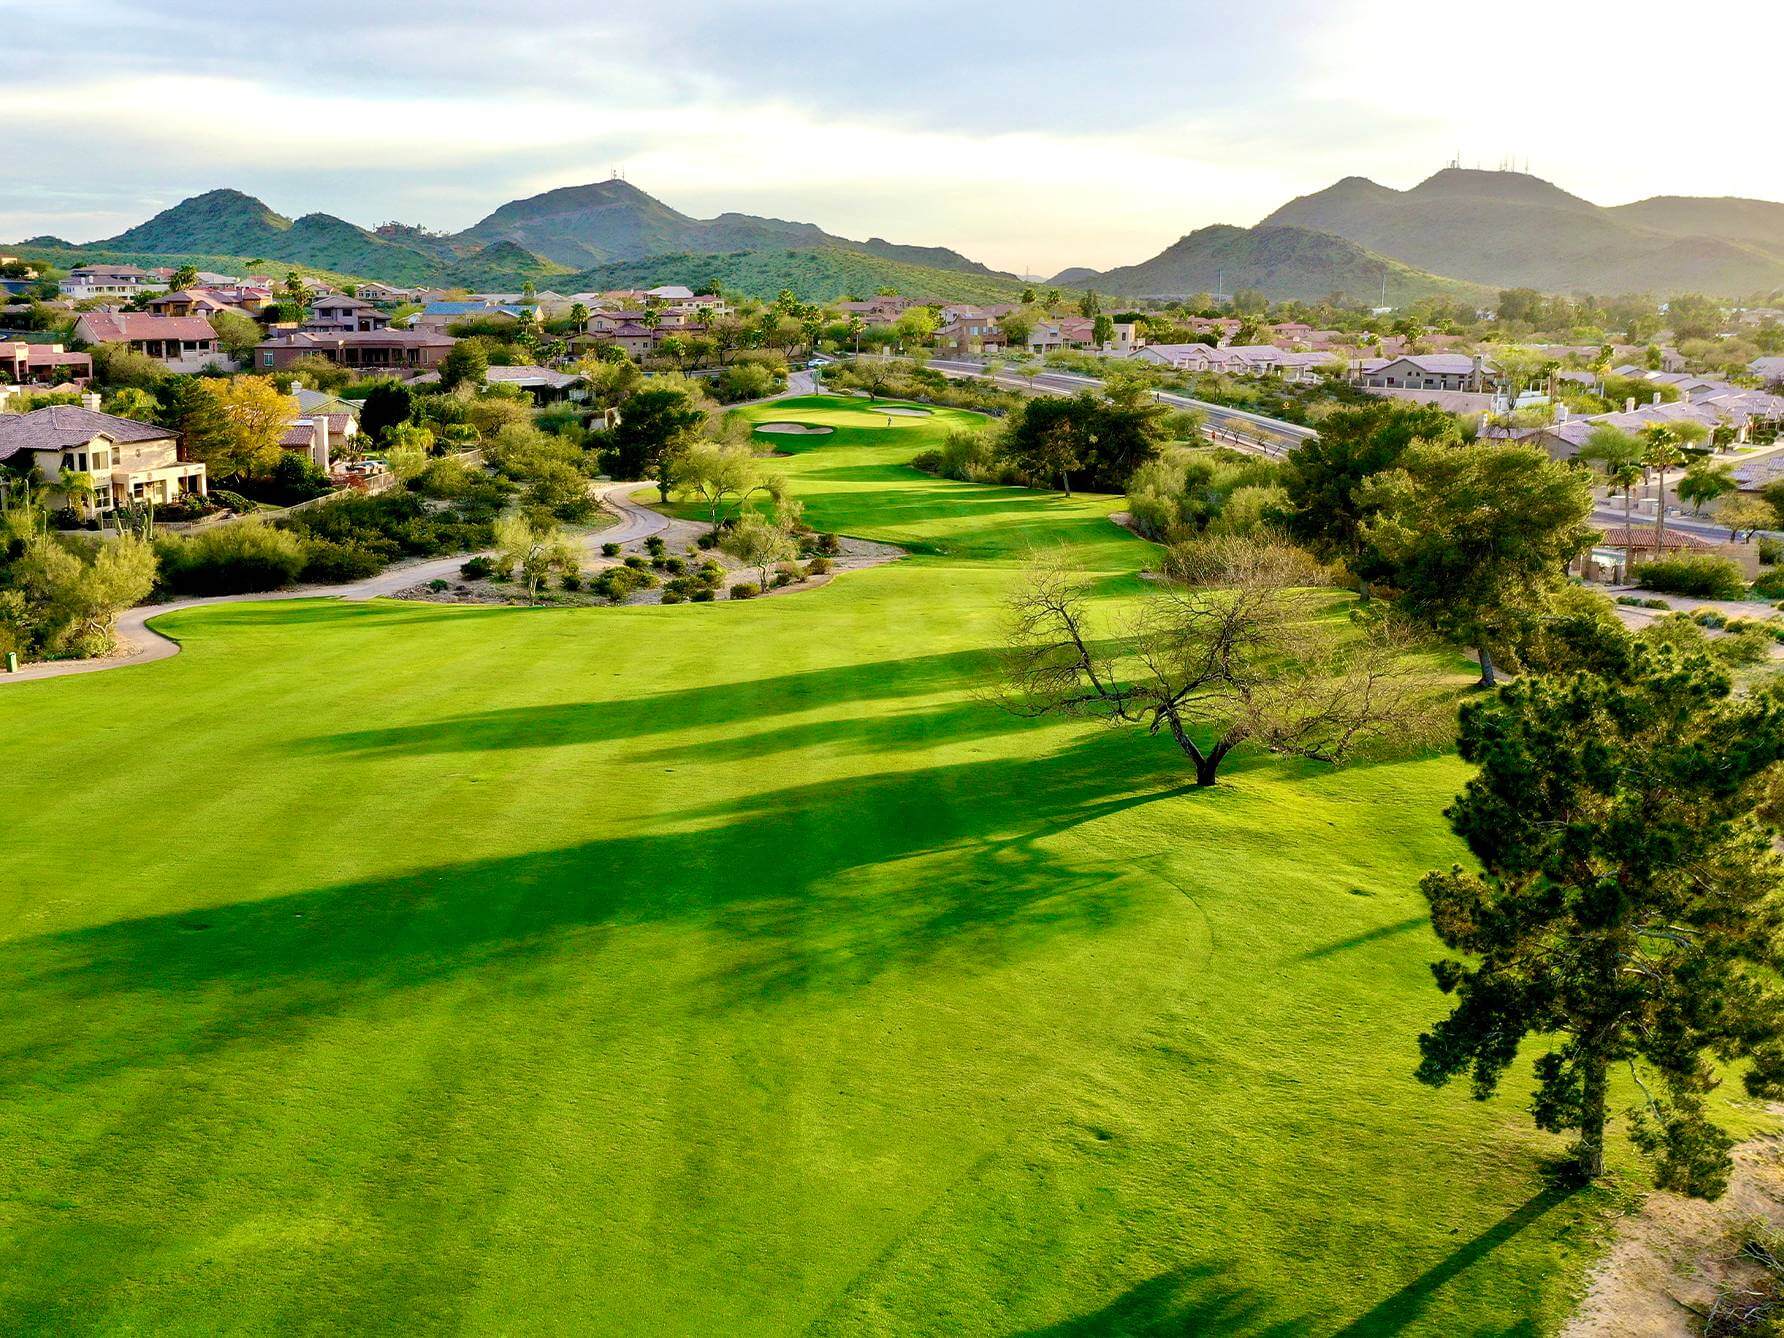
903,412
795,429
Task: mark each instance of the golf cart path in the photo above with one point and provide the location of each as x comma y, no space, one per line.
141,644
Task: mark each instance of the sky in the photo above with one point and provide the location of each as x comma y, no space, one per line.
1029,136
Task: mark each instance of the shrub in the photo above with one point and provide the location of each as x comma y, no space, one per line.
636,563
616,584
232,501
1654,604
929,462
745,590
1751,645
437,585
571,581
1771,552
672,596
230,560
1709,618
609,550
702,596
1697,574
330,562
818,566
674,566
1770,584
781,578
655,545
478,569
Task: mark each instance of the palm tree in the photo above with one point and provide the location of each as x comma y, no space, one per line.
77,486
1621,455
1660,453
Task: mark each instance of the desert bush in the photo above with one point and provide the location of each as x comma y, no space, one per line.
745,590
230,560
332,562
1700,575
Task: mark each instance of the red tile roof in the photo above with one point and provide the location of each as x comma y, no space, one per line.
104,327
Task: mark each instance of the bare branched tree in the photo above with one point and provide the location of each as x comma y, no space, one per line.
1234,648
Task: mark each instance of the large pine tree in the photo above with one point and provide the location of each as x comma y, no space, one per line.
1629,910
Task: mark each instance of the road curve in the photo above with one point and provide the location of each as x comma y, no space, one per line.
142,644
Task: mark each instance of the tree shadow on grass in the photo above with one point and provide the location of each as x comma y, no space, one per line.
1193,1300
1395,1312
1406,926
708,707
818,889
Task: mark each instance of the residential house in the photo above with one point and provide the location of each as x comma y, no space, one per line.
606,322
127,461
877,310
1768,370
1429,371
179,343
371,349
542,383
126,281
389,294
313,402
436,317
43,365
1061,332
193,302
670,292
337,311
968,333
319,436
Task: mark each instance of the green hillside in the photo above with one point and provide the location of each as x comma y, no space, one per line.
608,221
1284,263
816,275
1758,223
1508,229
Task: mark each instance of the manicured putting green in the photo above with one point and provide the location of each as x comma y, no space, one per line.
725,969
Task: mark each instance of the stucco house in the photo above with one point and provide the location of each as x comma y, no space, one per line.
127,461
396,349
43,365
179,343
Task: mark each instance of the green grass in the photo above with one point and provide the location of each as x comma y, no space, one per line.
721,969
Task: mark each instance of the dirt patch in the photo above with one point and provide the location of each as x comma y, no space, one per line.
1673,1255
795,429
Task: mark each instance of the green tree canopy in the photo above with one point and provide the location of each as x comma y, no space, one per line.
1627,908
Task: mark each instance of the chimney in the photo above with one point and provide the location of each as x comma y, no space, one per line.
1560,413
1629,405
1656,397
91,400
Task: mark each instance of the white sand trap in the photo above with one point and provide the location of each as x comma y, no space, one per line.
795,429
903,412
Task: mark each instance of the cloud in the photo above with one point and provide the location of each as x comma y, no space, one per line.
1044,136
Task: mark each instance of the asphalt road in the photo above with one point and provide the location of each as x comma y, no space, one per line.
1223,425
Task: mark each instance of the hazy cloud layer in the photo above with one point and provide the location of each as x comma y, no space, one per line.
1030,136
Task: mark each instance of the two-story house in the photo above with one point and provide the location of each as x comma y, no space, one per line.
127,461
181,343
87,281
337,311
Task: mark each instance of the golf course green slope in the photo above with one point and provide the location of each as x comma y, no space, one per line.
725,968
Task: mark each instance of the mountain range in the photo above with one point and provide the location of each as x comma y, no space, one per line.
574,237
1512,230
1282,262
1459,233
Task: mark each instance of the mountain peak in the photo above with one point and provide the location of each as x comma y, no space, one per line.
1519,187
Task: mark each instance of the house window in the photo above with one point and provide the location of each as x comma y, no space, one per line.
266,359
